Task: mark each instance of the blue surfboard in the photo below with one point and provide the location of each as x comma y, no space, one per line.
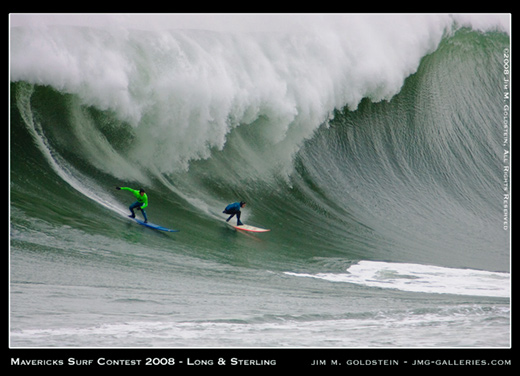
154,226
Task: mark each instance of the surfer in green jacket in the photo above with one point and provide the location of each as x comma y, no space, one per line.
141,203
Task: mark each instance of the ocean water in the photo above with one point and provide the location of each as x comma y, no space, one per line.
375,148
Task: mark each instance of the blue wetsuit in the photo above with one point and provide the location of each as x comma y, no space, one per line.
233,209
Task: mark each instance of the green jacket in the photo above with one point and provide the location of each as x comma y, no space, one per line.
141,199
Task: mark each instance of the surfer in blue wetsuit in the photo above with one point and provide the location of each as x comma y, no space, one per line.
234,209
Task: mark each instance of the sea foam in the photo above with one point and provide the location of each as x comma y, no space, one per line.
184,91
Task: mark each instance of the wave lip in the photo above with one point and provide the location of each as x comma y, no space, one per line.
421,278
185,91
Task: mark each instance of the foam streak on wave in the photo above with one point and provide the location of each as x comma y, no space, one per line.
68,173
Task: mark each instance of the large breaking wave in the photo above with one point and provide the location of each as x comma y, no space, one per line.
376,137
